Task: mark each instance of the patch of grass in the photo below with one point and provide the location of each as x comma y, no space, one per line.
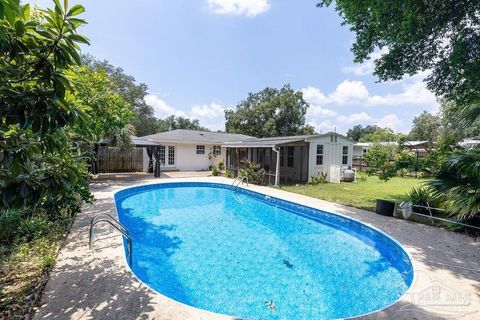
24,263
361,194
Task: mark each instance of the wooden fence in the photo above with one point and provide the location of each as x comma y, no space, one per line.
114,160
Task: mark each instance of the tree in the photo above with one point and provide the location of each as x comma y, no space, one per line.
173,122
40,169
144,122
270,112
109,113
358,132
458,122
441,36
426,127
382,135
378,160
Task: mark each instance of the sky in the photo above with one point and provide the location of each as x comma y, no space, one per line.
200,57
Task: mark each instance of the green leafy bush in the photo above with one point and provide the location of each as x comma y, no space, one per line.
253,171
215,171
221,165
229,173
320,179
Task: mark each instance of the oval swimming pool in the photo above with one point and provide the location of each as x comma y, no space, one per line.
238,252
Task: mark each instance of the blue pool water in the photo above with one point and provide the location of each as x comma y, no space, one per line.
241,253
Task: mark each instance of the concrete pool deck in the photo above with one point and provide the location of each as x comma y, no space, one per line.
97,284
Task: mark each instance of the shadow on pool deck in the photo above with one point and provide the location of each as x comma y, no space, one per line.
96,284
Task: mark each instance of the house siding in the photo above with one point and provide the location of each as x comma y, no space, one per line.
332,154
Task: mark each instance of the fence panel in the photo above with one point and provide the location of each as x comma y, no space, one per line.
114,160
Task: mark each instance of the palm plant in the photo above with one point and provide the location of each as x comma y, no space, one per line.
458,180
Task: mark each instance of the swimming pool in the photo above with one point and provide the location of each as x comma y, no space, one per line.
242,253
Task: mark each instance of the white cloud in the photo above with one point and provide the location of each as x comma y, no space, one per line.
211,116
361,69
349,91
250,8
414,92
322,126
361,117
161,108
313,96
390,121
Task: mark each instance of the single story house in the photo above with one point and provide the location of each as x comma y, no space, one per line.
470,142
190,150
288,159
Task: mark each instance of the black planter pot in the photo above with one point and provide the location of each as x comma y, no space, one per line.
385,207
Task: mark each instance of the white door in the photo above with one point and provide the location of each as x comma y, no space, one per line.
167,156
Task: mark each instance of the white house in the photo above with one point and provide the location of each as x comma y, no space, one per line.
290,159
190,150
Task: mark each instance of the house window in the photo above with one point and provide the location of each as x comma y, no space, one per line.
290,156
319,154
345,155
162,154
171,155
217,150
200,149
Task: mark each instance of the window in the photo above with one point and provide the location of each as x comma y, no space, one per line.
282,156
217,150
319,154
290,156
171,155
345,155
200,149
333,138
162,154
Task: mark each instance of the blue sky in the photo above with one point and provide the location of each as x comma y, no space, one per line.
199,57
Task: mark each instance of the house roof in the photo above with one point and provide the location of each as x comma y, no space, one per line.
390,143
274,141
142,142
195,136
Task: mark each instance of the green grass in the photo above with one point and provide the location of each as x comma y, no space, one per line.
361,194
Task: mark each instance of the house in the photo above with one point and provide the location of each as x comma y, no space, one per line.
190,150
293,158
288,159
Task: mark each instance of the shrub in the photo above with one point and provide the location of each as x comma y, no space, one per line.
228,173
253,171
320,179
423,196
221,165
215,171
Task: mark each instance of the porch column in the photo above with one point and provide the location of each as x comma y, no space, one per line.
277,166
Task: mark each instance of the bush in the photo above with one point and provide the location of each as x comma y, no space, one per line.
253,171
423,196
320,179
215,171
221,165
228,173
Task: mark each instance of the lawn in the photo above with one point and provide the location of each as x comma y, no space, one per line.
360,194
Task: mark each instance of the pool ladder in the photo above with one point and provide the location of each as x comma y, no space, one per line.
239,180
105,217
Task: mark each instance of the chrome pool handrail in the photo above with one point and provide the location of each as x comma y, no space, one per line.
114,223
240,180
